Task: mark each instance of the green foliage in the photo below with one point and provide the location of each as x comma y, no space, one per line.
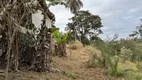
74,5
59,37
131,75
85,40
106,60
56,2
109,55
139,66
126,54
113,66
71,74
27,40
95,62
125,50
53,29
138,32
31,26
84,24
135,45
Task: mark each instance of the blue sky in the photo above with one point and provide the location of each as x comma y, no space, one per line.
118,16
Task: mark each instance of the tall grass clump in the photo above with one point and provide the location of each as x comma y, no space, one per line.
109,56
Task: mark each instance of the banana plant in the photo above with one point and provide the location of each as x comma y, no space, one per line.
60,39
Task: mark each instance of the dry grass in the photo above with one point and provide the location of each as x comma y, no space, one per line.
92,50
77,64
75,67
75,45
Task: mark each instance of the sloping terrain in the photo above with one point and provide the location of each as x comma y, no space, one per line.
71,67
75,65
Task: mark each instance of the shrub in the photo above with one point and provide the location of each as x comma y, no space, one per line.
109,59
95,62
85,40
126,54
113,66
60,39
112,51
135,46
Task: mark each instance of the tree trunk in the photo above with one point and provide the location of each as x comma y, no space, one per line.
60,50
10,41
16,56
43,47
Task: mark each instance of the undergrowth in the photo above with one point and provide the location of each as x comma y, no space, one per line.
115,53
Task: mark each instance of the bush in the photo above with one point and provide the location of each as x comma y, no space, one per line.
135,46
126,54
85,40
109,59
95,62
113,66
112,51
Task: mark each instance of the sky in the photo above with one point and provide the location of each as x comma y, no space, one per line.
118,16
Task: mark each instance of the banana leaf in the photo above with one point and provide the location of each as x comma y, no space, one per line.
59,37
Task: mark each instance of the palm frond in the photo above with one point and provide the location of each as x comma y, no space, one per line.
74,5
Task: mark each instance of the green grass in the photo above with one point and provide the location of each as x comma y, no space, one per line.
129,71
71,74
127,66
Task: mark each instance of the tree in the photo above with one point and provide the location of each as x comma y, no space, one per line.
138,32
85,24
15,16
139,28
74,5
14,19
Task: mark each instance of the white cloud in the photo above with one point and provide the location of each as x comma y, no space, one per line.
133,10
114,13
105,28
127,17
62,15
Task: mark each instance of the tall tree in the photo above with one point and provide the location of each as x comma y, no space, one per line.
138,32
74,5
14,19
85,25
139,28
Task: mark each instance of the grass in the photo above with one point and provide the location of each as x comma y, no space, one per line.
139,66
70,74
131,75
129,71
127,66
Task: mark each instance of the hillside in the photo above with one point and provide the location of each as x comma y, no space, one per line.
66,68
